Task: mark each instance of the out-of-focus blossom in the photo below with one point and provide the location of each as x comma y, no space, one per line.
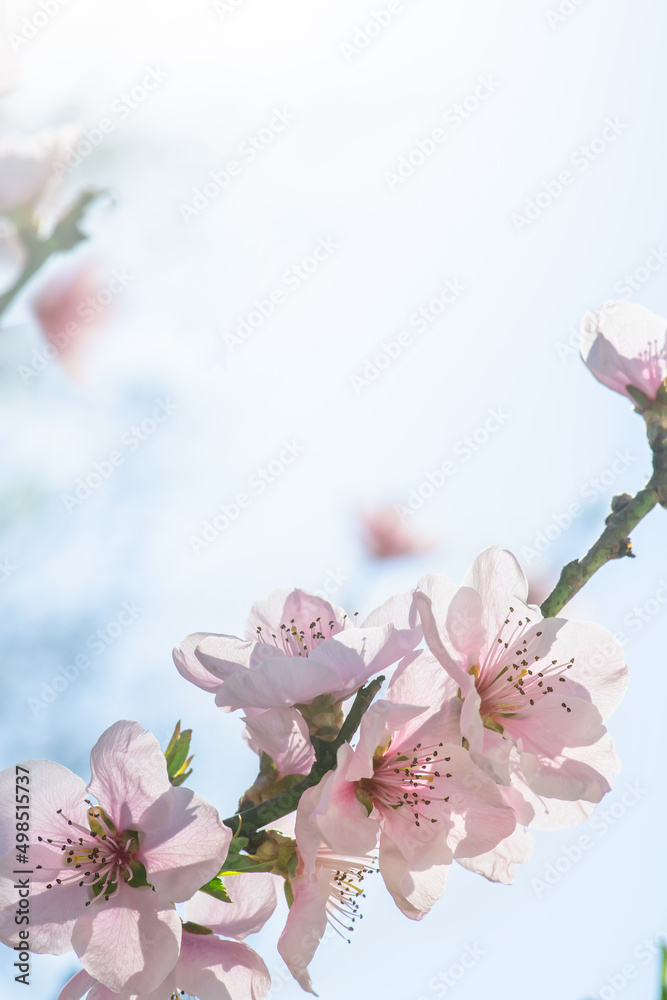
68,310
29,181
535,691
8,63
626,345
386,535
410,787
301,656
106,876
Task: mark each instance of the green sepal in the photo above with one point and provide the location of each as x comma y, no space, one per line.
139,878
640,398
216,889
289,892
193,928
365,799
96,827
176,755
239,864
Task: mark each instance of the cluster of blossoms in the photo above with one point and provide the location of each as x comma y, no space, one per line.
492,721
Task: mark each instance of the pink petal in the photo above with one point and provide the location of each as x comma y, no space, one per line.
432,600
129,942
413,891
188,846
283,734
206,660
464,626
379,723
129,773
343,822
499,864
281,606
360,653
398,611
499,580
253,901
278,682
625,344
580,773
212,969
306,924
420,680
53,914
77,986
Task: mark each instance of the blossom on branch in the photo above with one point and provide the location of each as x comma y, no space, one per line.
534,691
625,348
300,658
106,876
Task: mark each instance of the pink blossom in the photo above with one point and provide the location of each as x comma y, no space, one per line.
60,307
208,968
297,648
625,345
534,691
28,164
387,535
106,877
328,895
410,787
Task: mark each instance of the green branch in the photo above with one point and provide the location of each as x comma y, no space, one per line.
266,812
626,513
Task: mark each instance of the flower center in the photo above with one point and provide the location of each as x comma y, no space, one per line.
347,875
508,679
405,779
294,640
99,857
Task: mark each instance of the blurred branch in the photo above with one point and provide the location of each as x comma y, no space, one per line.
65,236
626,513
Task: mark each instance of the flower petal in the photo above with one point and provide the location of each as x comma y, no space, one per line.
305,925
283,734
212,969
499,864
129,774
253,901
188,846
206,659
413,891
129,942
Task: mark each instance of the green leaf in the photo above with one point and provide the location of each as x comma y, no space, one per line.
176,755
216,889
